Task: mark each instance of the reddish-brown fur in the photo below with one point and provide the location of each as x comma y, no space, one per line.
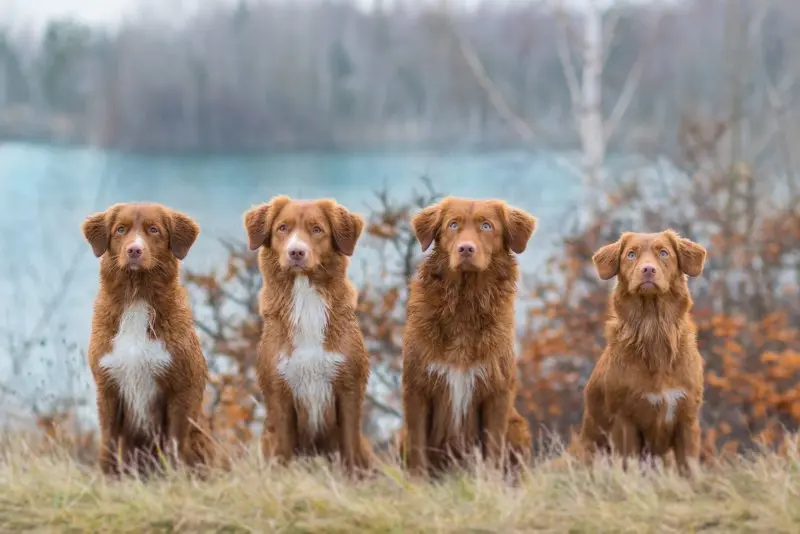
166,237
461,318
651,349
331,233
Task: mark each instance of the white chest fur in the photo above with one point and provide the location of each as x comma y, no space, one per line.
461,384
310,370
135,361
670,397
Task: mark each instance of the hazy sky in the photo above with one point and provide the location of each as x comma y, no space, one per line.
112,11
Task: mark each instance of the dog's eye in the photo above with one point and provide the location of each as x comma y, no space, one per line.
663,253
486,226
631,255
453,225
283,228
153,230
316,230
120,229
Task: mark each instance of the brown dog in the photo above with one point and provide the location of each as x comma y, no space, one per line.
459,367
144,352
312,363
645,393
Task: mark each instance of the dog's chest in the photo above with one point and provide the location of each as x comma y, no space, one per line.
461,384
135,362
666,401
309,369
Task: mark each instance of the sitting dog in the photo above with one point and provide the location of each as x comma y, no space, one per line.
459,367
312,363
645,393
144,353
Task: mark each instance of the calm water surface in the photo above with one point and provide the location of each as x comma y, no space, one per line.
46,192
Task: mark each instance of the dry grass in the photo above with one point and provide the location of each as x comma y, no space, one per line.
52,493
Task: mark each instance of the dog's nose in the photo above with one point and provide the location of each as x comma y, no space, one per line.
134,251
297,253
467,250
649,270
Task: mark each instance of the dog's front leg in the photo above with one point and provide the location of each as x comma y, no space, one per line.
494,415
282,421
180,408
111,418
349,406
625,439
416,406
686,444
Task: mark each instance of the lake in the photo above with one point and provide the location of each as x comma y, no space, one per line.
48,277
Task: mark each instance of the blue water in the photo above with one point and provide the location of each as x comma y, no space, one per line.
45,193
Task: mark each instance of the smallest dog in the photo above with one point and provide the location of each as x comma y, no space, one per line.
645,393
312,363
144,353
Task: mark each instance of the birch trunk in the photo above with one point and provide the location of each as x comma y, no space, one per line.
590,116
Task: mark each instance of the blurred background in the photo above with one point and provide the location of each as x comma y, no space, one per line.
595,116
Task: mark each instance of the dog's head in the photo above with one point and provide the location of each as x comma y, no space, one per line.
650,264
304,234
140,237
472,232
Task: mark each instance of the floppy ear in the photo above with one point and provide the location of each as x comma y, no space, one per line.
346,227
691,256
258,221
95,230
426,225
183,232
606,260
519,228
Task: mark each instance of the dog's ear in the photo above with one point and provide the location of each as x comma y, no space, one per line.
183,232
97,232
346,227
258,221
426,225
519,228
691,256
606,260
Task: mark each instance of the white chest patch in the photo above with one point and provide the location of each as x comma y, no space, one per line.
310,369
135,361
461,383
670,397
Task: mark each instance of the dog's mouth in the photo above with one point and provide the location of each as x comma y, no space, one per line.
297,265
648,286
134,265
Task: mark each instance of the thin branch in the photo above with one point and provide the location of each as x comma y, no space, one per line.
493,93
385,408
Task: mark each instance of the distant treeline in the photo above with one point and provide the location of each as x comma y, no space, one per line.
327,75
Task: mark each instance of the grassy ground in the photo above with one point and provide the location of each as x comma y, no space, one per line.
51,493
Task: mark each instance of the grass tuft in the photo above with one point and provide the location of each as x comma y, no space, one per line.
52,492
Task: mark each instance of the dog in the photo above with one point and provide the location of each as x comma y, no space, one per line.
459,368
144,353
312,366
644,396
